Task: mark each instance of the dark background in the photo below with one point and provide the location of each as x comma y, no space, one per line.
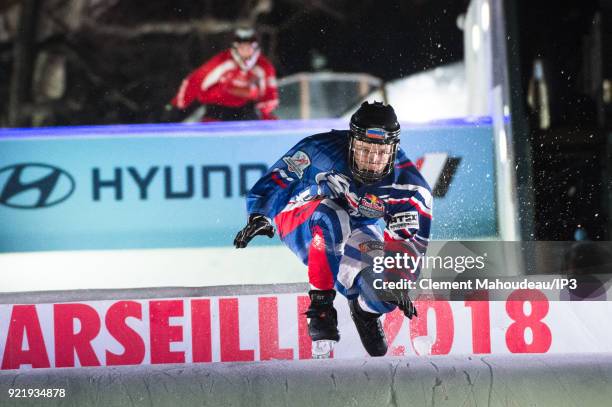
124,60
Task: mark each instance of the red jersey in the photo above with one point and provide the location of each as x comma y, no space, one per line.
225,80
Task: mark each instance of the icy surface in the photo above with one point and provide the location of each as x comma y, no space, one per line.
417,381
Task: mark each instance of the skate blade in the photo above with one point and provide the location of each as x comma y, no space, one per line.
322,349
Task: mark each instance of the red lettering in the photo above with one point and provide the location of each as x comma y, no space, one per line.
392,324
445,330
515,335
24,322
268,331
478,301
162,333
67,342
116,325
230,333
304,342
201,337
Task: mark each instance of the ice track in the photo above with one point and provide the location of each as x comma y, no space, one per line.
516,380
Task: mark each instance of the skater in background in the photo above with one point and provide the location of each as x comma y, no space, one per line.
328,196
236,84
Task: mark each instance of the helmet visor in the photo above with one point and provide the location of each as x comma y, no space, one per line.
371,161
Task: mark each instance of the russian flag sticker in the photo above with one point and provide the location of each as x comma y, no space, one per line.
378,134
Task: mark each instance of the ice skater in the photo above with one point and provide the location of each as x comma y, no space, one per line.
329,197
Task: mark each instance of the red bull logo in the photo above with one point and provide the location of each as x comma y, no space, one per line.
371,206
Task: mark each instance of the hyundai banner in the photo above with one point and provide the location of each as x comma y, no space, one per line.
162,186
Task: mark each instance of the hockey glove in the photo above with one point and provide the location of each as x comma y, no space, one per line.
397,296
411,272
404,303
257,225
332,185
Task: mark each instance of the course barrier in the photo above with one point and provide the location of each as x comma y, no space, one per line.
518,380
249,324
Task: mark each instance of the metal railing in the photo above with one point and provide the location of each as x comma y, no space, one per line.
323,94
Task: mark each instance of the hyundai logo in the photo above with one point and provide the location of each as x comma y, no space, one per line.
33,186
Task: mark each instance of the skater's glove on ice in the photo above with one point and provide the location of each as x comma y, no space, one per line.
257,225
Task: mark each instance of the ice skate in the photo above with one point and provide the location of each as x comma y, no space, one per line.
369,328
322,349
322,323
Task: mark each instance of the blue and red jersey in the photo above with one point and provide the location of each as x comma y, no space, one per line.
402,199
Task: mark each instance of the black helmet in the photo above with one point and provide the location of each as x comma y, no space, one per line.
374,123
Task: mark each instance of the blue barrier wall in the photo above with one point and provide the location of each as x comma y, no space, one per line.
158,186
